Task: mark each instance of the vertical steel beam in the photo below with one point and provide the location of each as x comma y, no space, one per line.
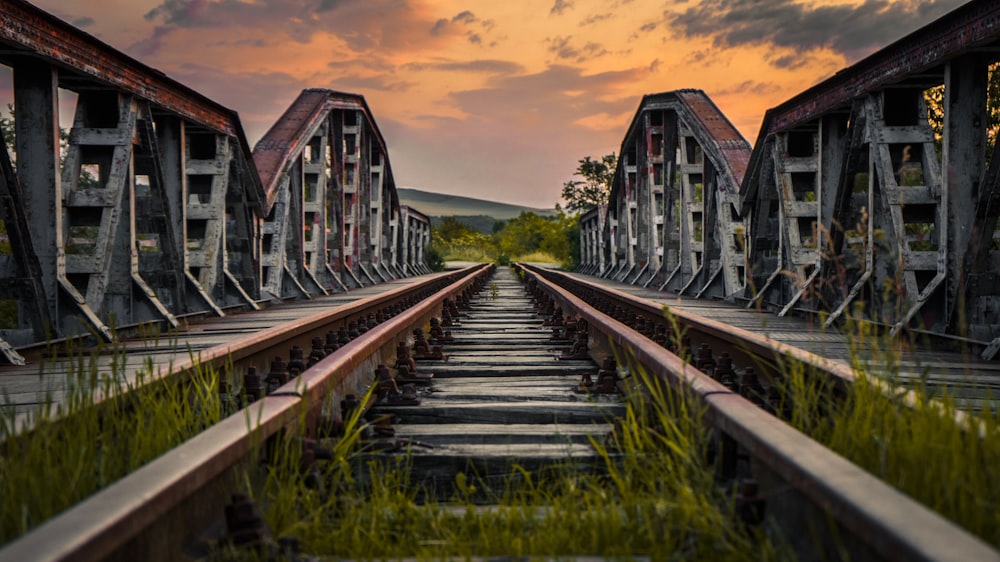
963,163
36,107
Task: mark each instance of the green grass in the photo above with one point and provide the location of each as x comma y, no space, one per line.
653,494
909,440
75,449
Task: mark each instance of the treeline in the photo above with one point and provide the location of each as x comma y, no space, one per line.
528,237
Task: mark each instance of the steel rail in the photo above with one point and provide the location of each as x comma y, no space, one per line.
886,523
753,346
257,349
123,520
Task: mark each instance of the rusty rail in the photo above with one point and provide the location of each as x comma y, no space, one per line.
810,482
183,490
750,347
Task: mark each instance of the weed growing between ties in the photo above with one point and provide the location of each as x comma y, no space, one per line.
77,447
653,494
910,440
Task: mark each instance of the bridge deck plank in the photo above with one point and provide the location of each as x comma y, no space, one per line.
28,385
502,396
965,375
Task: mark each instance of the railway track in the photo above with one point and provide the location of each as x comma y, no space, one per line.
501,403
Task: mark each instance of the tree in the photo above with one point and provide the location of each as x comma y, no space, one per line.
935,109
595,188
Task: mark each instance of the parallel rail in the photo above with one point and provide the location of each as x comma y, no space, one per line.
181,491
804,480
152,513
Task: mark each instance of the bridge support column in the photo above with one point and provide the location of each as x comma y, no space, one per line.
36,106
963,165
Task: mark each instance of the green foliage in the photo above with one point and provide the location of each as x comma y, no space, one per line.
5,247
649,493
910,440
435,260
78,447
8,315
553,239
86,178
595,188
935,109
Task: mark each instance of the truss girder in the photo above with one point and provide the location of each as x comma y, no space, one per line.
672,221
155,207
334,218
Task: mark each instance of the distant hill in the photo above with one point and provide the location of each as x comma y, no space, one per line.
440,205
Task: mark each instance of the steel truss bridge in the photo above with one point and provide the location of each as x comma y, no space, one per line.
155,208
851,201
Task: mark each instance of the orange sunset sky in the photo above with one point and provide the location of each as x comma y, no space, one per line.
498,99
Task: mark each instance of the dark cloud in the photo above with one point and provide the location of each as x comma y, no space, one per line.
648,27
546,91
852,30
258,42
85,21
563,48
750,87
465,17
365,25
489,66
789,61
560,6
595,18
327,5
439,26
381,83
152,44
259,96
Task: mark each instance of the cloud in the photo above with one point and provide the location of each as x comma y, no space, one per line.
851,30
439,26
522,135
364,25
85,21
750,87
564,49
465,17
560,6
380,82
489,66
260,96
152,44
595,18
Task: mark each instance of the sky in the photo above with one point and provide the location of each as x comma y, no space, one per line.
498,99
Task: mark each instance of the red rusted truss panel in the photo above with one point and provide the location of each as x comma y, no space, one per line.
295,127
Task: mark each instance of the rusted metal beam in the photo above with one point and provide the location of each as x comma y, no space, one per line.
974,25
37,32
